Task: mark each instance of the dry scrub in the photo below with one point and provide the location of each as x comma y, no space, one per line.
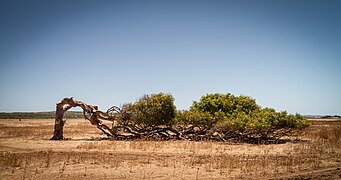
26,153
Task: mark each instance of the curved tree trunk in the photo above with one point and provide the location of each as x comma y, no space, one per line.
90,112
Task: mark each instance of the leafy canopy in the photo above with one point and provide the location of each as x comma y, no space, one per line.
228,104
154,110
239,113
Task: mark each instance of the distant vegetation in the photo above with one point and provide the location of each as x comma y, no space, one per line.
322,117
331,117
39,115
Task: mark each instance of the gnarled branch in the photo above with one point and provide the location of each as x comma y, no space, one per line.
90,112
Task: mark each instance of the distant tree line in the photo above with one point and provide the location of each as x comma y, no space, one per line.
39,115
331,117
323,116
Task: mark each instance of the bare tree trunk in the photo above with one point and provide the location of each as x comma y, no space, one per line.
59,122
90,112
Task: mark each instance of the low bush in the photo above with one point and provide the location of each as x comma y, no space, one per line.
198,119
228,104
240,116
153,110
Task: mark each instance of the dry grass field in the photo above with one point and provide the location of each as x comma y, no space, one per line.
27,153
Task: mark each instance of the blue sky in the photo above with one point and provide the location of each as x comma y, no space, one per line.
285,54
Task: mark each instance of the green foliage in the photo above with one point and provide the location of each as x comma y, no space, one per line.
263,119
228,104
296,121
242,113
153,110
199,119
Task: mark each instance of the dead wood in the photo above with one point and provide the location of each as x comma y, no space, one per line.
90,112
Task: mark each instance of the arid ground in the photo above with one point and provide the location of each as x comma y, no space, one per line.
27,153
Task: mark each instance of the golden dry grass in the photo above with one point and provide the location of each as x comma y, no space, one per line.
27,153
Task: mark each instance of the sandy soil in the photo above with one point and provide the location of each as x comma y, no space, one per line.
27,153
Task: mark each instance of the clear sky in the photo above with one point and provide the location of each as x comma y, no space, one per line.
285,53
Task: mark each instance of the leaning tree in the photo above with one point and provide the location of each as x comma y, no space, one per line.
90,113
150,117
219,117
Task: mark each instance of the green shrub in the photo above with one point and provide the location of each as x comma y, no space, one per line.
225,103
199,119
153,110
296,121
242,113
